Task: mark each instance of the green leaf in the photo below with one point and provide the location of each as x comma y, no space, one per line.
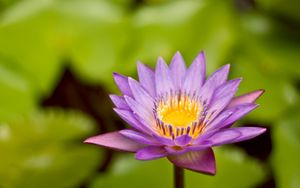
234,169
133,173
51,34
279,95
29,44
286,149
16,96
162,29
46,150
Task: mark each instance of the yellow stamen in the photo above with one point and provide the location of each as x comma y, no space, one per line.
179,115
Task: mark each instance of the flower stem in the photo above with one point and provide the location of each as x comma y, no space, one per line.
178,177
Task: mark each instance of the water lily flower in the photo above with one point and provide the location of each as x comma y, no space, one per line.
175,112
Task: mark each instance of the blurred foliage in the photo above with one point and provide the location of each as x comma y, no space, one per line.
40,39
44,150
285,160
233,167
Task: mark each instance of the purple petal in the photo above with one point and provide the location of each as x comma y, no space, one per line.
116,141
223,116
129,117
221,98
164,140
146,78
239,112
119,102
182,140
203,138
232,135
229,116
214,81
140,95
144,113
181,150
199,161
178,69
163,78
122,83
246,98
150,152
139,137
195,75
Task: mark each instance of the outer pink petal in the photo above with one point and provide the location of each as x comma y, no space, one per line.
199,161
246,98
115,140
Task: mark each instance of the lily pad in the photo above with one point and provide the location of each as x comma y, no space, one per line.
46,150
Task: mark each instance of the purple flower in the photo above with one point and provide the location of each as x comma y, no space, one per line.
175,112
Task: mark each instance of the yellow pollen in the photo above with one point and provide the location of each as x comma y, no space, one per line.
178,112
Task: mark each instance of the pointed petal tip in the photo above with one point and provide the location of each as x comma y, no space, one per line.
250,97
161,61
113,97
177,56
225,68
115,140
160,58
260,92
263,129
115,74
236,81
233,135
118,101
177,53
140,64
202,55
115,109
88,141
130,80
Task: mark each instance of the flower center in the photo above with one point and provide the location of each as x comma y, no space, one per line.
178,115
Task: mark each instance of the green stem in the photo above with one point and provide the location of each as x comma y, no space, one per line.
178,177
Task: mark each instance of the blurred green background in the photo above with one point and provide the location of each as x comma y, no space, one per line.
56,64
